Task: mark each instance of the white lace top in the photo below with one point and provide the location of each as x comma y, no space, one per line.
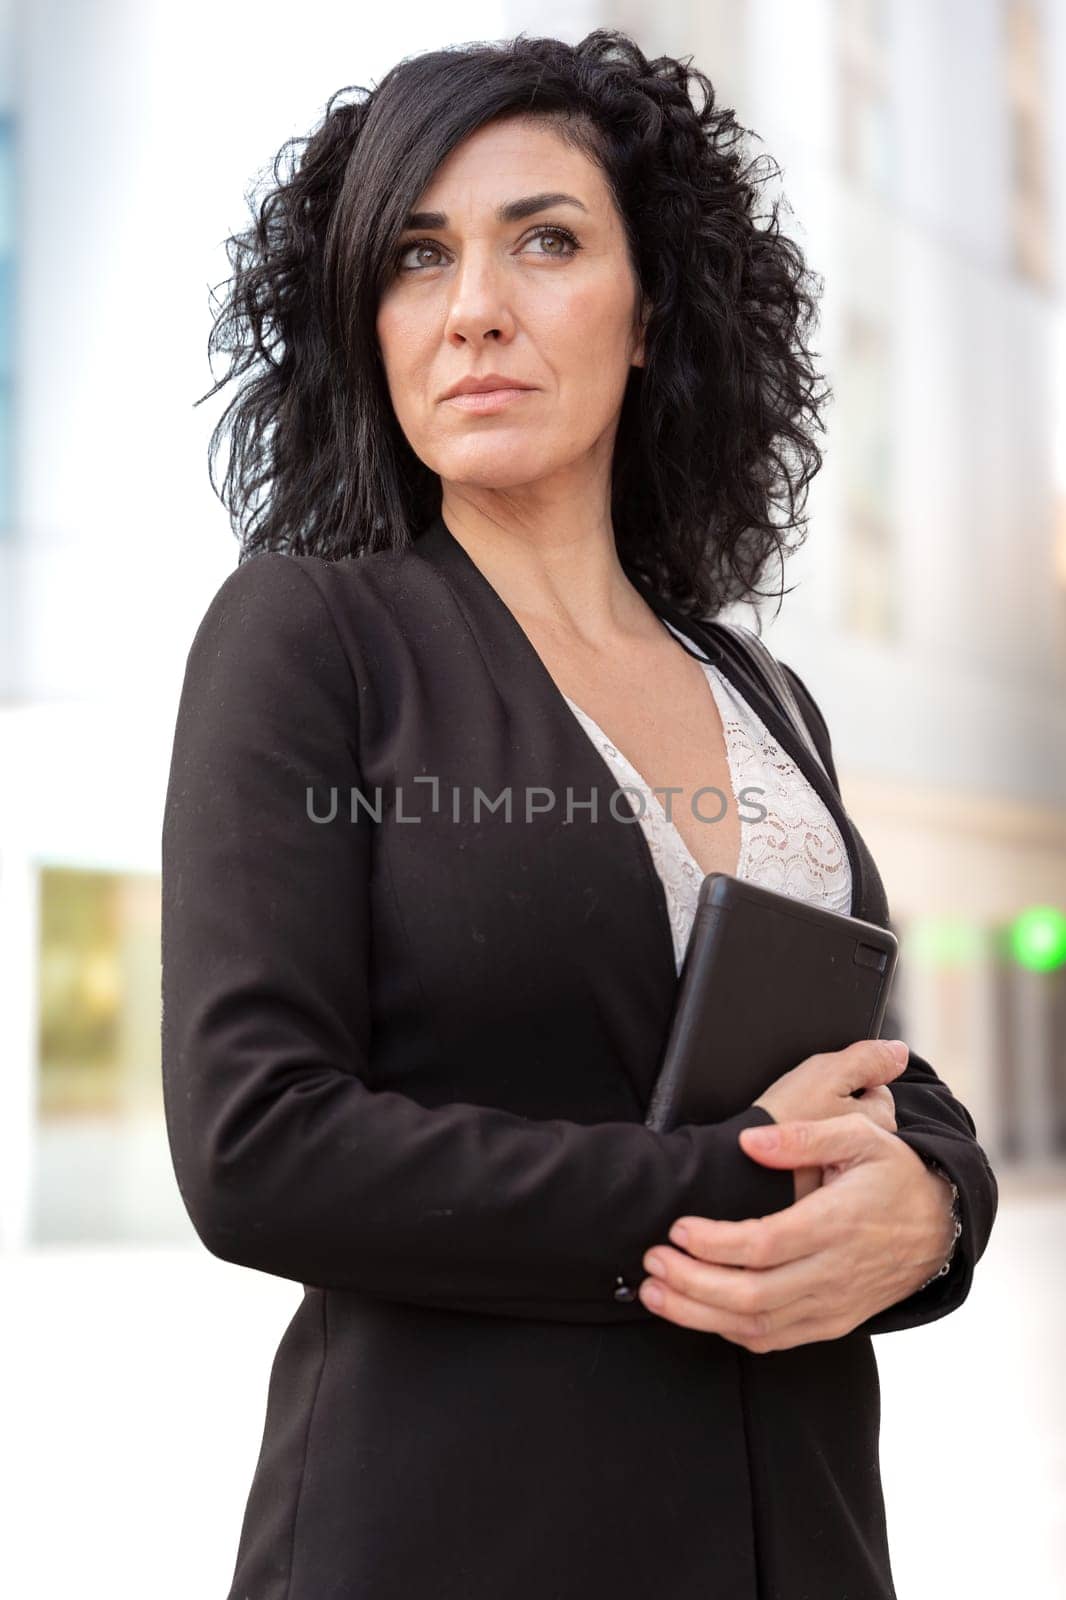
796,848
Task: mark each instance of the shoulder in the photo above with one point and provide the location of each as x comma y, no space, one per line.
313,631
393,581
278,597
271,584
269,575
275,582
267,606
269,685
267,640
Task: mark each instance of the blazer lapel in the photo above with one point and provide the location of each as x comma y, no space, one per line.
515,664
719,646
563,751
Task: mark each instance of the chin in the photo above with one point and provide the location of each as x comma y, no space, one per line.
505,467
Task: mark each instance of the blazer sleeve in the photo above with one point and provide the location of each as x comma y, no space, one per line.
287,1161
935,1124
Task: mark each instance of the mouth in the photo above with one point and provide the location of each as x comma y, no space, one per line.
486,400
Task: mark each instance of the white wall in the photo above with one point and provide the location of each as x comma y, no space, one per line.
143,124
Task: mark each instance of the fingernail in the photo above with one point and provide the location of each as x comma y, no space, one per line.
768,1137
899,1048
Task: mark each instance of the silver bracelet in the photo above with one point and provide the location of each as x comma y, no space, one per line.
935,1166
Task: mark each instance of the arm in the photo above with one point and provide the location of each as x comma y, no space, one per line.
935,1124
286,1159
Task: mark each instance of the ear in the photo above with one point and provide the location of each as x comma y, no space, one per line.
637,359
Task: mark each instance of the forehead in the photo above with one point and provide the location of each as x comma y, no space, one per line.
509,158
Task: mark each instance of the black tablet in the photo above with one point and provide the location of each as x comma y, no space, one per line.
767,980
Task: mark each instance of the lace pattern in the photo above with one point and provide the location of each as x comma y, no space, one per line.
795,848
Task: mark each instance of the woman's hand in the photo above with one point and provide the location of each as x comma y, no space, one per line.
821,1086
870,1236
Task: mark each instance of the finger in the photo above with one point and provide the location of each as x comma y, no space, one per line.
808,1330
673,1306
873,1061
757,1332
801,1230
837,1140
888,1122
787,1291
879,1105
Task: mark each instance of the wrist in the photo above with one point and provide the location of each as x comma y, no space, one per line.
953,1218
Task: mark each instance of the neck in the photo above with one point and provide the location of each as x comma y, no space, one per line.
558,574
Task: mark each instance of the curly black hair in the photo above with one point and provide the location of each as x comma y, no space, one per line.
716,442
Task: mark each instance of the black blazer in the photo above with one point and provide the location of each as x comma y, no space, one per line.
406,1059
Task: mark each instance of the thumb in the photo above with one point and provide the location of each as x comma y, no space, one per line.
826,1142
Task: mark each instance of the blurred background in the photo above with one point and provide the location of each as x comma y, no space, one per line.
923,152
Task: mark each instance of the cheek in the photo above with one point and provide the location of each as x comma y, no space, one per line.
405,364
590,321
589,352
400,338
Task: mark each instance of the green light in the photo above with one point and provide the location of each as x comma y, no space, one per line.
1038,938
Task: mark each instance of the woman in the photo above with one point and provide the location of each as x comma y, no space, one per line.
417,966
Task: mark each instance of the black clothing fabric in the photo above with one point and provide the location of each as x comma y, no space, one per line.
406,1057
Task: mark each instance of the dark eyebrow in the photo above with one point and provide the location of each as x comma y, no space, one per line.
511,211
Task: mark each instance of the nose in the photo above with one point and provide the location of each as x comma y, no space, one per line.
479,306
